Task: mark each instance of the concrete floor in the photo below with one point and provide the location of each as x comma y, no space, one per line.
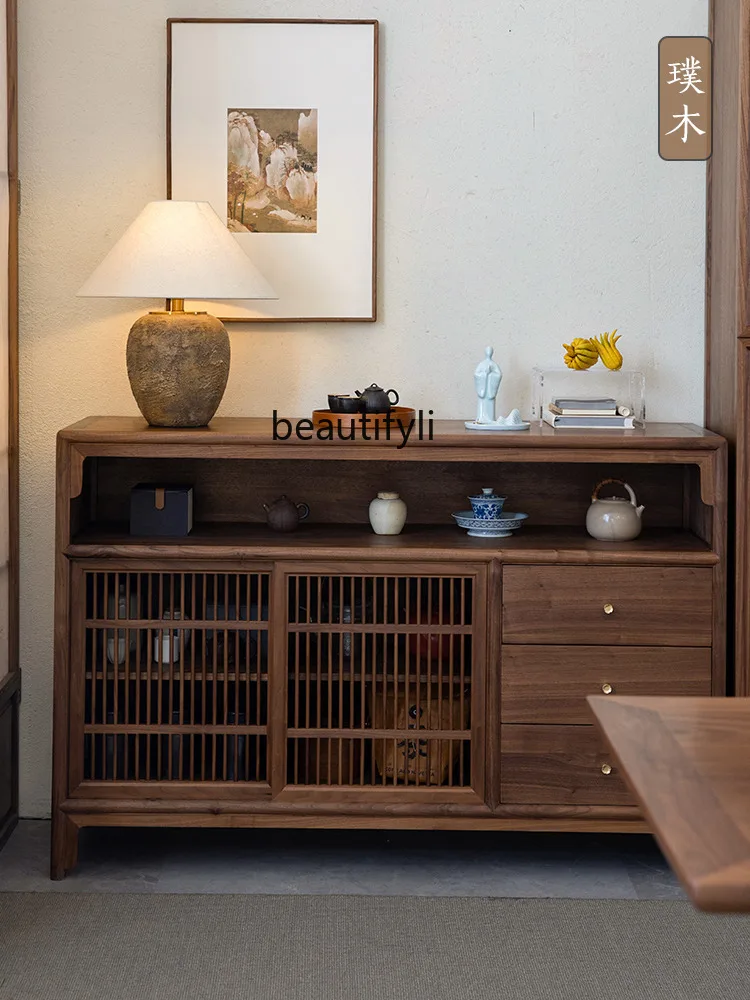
579,866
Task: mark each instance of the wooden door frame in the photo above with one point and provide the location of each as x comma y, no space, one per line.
728,301
10,686
727,218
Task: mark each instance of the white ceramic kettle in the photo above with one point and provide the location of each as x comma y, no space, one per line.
614,519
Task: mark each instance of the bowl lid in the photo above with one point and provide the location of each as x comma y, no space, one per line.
488,493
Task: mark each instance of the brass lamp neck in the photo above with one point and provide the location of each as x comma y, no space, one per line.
175,307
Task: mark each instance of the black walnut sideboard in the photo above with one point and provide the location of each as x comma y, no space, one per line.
331,677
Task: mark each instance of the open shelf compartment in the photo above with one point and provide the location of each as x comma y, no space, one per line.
229,495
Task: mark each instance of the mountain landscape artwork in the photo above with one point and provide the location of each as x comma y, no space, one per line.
272,170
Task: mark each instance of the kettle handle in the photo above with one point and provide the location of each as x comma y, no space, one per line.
388,394
303,513
618,482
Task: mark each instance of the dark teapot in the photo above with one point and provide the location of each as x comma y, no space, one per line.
377,400
284,515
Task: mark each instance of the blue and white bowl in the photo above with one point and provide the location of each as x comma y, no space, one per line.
481,527
488,506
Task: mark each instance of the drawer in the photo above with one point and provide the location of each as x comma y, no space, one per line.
602,605
559,765
549,684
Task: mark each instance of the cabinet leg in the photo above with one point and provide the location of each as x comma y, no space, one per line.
64,855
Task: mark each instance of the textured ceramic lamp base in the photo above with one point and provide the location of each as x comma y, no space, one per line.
178,365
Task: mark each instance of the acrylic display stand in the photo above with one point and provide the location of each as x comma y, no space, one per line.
626,386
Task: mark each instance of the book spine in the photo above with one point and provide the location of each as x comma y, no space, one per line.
566,412
570,402
597,423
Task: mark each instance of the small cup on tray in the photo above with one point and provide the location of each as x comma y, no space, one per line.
488,506
344,404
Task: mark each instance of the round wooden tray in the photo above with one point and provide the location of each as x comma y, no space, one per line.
402,415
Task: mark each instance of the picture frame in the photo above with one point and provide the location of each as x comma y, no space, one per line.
288,158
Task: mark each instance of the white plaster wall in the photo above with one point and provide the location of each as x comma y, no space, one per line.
523,203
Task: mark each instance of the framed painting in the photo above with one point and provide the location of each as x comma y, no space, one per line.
274,123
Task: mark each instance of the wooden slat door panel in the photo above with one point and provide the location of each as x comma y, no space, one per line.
169,679
385,683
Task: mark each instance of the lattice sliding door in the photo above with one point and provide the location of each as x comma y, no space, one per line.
385,681
170,672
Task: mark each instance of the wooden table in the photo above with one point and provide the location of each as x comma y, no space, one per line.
687,761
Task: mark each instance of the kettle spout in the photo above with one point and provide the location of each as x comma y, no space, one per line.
639,510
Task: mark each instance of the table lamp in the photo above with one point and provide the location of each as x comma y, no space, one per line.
178,362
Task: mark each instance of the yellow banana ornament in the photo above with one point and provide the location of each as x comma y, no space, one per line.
608,352
581,354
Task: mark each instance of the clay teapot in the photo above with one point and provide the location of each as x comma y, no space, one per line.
614,519
377,400
284,514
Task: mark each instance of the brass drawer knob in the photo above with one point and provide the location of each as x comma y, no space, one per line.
609,609
606,769
607,689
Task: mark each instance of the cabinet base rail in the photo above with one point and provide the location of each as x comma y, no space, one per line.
579,819
90,812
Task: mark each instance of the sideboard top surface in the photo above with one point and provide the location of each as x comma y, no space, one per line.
258,431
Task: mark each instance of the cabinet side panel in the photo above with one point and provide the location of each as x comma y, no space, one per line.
9,699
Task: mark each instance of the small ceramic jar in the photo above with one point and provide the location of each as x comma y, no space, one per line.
167,642
387,514
122,634
489,506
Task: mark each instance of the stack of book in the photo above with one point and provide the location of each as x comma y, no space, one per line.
596,412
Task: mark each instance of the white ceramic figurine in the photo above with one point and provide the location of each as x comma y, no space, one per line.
487,379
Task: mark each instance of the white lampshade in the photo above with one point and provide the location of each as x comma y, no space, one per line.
177,250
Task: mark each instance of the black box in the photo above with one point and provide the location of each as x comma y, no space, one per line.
161,510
